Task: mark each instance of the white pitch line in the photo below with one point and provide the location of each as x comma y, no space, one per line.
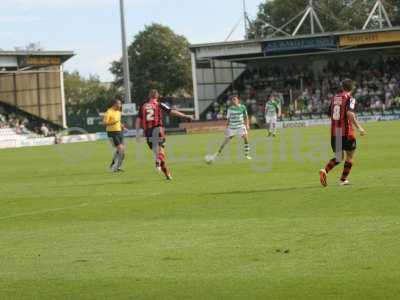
44,211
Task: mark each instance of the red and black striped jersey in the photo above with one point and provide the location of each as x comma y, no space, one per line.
151,114
341,104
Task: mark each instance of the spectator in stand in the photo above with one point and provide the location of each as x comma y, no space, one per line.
3,121
25,121
44,130
18,129
378,85
396,101
23,129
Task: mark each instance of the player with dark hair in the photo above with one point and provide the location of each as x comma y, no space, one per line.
343,137
114,128
237,125
272,113
151,120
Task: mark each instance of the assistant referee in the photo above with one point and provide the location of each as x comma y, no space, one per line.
114,128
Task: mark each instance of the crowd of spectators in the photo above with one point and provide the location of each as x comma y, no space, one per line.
303,90
377,84
11,121
23,126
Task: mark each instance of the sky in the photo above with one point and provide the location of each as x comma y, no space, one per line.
91,28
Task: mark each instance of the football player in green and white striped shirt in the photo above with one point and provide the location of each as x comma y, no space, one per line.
237,125
272,113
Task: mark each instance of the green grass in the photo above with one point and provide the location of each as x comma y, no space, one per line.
233,230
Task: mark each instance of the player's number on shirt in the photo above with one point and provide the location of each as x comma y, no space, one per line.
336,113
150,115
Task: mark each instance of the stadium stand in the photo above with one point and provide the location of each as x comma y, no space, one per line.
24,123
302,70
32,83
8,133
378,87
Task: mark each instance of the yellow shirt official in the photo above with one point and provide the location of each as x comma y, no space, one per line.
113,116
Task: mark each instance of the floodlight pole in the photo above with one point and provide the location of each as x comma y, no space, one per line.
380,19
381,13
281,29
301,21
233,30
245,20
312,18
309,12
277,30
125,58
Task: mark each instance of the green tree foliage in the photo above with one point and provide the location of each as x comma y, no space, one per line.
335,15
84,96
393,7
159,59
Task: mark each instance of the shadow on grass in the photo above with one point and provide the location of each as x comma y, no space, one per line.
286,189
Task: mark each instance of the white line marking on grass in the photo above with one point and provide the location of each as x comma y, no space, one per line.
44,211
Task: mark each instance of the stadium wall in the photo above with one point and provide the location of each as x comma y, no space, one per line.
38,92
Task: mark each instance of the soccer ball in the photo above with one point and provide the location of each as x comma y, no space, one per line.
209,159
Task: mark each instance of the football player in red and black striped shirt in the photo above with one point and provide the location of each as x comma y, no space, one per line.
151,120
343,136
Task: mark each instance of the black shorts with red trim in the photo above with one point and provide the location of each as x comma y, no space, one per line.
344,143
155,136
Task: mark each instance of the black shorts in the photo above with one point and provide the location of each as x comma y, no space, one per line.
154,136
348,144
116,138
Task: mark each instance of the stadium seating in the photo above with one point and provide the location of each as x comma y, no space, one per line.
8,133
24,123
305,91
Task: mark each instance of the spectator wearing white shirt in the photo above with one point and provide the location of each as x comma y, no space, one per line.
44,130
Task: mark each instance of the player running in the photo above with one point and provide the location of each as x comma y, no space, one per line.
114,128
343,137
151,120
237,125
272,113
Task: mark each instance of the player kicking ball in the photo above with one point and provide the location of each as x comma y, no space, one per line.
151,120
237,125
272,113
343,137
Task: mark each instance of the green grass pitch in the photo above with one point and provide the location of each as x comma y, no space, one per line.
264,229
